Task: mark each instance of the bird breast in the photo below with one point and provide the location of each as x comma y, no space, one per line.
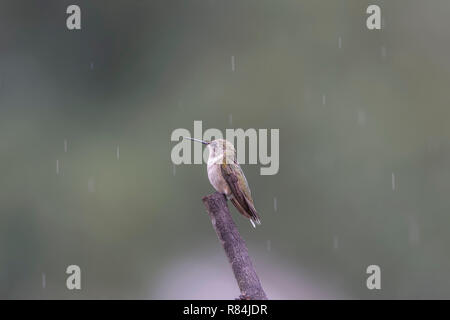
217,180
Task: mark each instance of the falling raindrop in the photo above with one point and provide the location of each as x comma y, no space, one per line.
340,42
233,64
118,153
174,170
393,181
65,145
92,65
275,203
91,185
324,99
335,242
44,281
361,118
57,166
230,119
269,245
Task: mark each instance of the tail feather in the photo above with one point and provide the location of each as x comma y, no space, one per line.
250,213
254,214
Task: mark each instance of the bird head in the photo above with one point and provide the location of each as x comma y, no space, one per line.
218,147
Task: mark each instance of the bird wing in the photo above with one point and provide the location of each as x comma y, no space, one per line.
242,198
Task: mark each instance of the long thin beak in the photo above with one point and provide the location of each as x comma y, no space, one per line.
198,140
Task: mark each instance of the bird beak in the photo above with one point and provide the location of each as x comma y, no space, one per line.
198,140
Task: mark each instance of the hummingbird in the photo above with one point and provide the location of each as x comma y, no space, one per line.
226,176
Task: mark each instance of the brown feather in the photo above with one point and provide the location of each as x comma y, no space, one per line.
242,201
239,208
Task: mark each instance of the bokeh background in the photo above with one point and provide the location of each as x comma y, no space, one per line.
364,146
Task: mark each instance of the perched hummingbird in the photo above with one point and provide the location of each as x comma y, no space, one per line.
226,176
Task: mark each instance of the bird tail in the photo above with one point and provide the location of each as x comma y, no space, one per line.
254,219
251,213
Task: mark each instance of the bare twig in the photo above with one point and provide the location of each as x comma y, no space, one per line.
234,246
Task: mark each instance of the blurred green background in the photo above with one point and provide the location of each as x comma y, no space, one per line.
364,146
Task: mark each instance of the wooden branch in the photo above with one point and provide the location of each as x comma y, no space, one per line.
234,246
